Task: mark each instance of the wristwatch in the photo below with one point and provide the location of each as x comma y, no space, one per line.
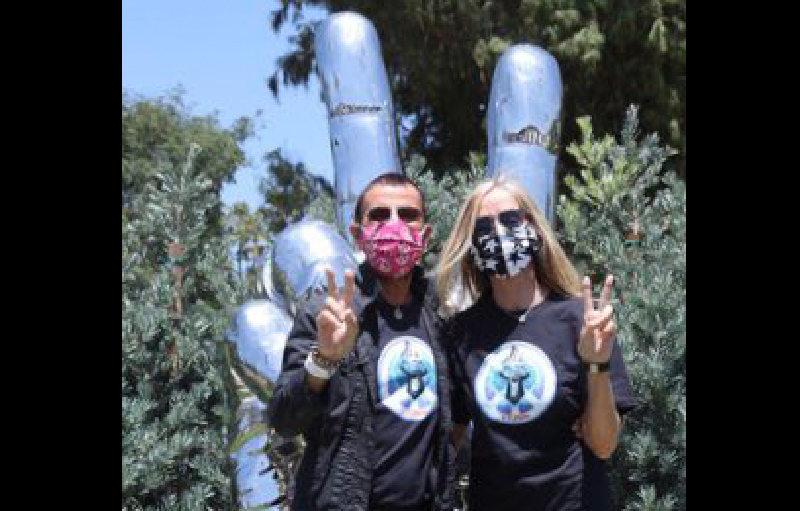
595,367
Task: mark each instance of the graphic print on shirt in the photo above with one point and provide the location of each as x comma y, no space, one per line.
407,378
515,383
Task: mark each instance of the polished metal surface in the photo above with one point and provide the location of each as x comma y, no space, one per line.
255,486
524,122
360,111
258,336
266,282
301,253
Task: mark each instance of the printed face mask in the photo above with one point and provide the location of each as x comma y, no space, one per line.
392,248
507,255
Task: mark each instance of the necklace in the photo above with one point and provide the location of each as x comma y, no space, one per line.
523,316
394,310
397,310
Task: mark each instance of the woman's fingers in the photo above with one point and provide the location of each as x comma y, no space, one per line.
587,295
599,318
605,295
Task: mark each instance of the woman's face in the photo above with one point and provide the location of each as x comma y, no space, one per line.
495,202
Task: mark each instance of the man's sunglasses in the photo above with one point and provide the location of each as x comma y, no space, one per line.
510,218
383,213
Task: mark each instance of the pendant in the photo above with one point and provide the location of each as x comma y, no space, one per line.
398,314
523,318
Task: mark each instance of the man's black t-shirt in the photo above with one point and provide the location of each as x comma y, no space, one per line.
404,421
524,386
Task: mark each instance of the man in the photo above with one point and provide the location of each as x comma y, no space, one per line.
369,389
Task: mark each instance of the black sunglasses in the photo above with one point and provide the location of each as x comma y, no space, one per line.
510,218
383,213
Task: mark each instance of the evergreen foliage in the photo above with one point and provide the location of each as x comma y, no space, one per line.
253,240
288,190
178,292
624,218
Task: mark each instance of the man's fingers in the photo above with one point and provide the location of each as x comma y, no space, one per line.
351,321
335,308
326,320
605,295
587,295
349,288
332,291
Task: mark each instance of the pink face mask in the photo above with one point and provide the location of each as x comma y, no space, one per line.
392,248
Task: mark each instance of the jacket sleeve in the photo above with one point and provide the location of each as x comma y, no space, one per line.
294,408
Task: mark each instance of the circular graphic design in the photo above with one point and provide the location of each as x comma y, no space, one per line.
515,383
407,378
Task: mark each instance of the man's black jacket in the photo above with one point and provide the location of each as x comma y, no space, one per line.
336,470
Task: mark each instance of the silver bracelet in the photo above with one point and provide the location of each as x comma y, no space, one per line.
317,370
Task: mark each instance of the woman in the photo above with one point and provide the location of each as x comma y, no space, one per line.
533,357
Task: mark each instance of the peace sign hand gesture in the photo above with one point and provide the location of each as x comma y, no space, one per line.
598,325
337,326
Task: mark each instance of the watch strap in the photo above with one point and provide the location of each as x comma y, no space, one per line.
595,367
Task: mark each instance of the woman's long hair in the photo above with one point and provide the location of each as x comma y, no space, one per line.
456,271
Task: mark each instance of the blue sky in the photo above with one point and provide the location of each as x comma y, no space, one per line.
222,53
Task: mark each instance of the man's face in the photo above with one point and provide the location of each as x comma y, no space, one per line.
401,202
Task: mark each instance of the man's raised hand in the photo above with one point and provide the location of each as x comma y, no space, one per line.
337,326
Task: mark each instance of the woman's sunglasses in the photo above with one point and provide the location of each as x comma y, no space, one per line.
407,214
510,218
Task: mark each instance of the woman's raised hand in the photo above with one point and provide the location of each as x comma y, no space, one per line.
598,324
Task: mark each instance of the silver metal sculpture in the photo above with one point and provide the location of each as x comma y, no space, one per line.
301,254
360,111
266,282
525,122
258,337
255,485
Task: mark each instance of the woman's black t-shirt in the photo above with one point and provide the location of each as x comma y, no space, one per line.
523,386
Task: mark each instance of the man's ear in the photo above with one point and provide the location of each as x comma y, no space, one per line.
354,231
427,231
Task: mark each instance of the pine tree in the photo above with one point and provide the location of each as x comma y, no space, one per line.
178,292
624,217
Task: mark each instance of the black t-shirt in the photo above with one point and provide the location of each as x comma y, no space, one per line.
405,419
524,386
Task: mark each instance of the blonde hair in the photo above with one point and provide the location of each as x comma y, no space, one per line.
456,270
